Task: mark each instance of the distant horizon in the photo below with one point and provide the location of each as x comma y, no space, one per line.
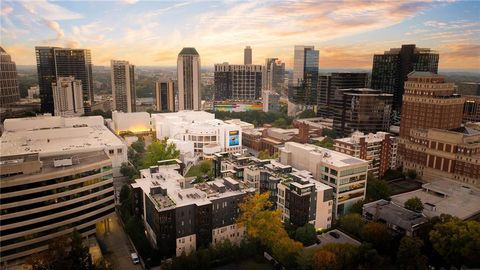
347,33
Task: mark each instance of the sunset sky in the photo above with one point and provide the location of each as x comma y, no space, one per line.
347,33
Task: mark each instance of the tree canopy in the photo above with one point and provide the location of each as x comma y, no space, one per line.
352,224
409,254
378,235
414,204
160,150
377,189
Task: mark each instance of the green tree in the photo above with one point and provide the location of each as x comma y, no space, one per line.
327,142
356,207
378,235
409,254
263,154
458,242
307,114
206,166
158,151
139,145
352,224
128,171
79,255
329,133
412,174
280,123
414,204
306,234
377,189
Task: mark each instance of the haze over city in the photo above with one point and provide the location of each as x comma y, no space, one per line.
152,33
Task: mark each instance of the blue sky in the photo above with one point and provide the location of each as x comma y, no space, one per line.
347,33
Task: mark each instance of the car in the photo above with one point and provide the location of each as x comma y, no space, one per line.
135,258
335,235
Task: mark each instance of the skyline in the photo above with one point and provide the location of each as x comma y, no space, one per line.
346,33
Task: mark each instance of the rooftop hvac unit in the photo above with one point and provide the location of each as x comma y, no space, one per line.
61,162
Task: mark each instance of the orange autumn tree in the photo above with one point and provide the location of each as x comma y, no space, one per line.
265,224
324,260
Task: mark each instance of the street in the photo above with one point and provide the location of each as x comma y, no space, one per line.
117,245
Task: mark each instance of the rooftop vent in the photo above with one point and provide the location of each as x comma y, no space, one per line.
62,162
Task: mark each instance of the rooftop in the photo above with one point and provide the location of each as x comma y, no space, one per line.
394,214
188,50
445,197
339,238
369,138
54,135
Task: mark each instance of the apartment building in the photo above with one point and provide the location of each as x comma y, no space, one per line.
379,149
346,175
238,82
178,219
296,193
67,97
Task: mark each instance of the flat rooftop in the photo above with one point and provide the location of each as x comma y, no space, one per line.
339,238
448,197
328,156
394,214
53,140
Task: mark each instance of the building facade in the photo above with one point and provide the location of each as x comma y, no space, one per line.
346,175
305,76
238,82
123,86
329,84
165,96
178,219
471,109
188,78
390,69
9,91
247,55
361,109
379,149
430,102
271,101
67,97
54,62
273,75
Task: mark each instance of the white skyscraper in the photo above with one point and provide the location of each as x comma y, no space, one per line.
67,97
188,77
123,86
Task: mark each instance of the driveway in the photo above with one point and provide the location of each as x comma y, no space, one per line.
117,245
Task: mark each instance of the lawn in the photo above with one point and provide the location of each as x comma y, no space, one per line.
194,171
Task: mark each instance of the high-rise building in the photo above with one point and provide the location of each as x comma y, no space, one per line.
123,86
471,109
361,109
9,92
238,82
430,102
247,55
468,88
379,149
305,76
328,85
273,75
390,69
165,96
67,97
270,101
188,78
53,62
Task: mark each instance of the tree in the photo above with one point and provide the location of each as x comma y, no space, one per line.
265,225
139,145
356,207
307,114
54,258
378,235
414,204
125,202
412,174
409,254
79,255
352,224
377,189
128,171
345,255
280,123
205,166
329,133
306,234
458,242
158,151
327,142
263,154
324,260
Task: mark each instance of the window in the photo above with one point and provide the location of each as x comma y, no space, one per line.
111,151
119,150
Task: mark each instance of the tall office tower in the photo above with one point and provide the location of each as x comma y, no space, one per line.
9,92
188,78
273,75
390,69
67,97
247,55
53,62
430,102
238,82
123,86
305,75
330,83
165,96
361,109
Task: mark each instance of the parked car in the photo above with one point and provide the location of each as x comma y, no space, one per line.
335,235
135,258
